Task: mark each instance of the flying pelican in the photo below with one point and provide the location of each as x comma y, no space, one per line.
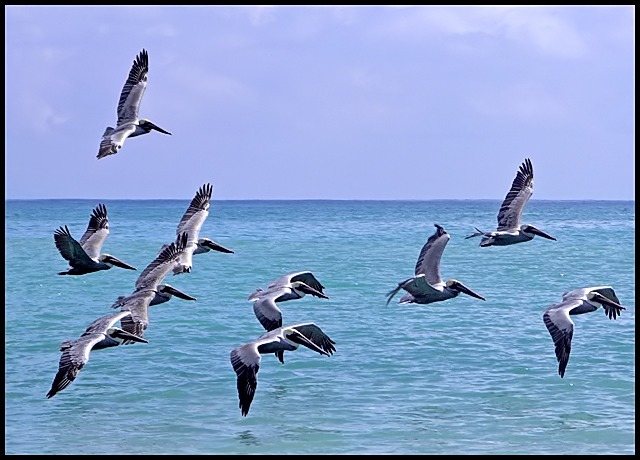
577,302
509,229
287,287
246,358
128,124
75,353
147,287
85,257
427,285
190,223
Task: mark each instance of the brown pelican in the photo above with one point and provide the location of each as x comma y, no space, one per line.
190,223
128,124
509,229
577,302
75,353
246,358
85,257
427,285
287,287
147,289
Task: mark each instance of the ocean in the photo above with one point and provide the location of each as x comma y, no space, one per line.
461,376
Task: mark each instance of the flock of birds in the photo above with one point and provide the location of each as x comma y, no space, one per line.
425,287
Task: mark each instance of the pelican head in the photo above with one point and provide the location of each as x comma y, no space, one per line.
457,287
210,244
148,126
167,288
120,335
611,308
305,288
531,230
114,261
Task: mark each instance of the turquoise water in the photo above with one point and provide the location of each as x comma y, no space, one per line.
456,377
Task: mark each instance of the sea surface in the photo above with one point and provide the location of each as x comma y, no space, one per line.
461,376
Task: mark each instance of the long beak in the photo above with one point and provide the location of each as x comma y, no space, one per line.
309,290
157,128
462,288
542,234
124,335
217,247
302,340
611,308
178,293
118,263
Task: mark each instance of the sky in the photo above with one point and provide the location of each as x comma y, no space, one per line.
324,102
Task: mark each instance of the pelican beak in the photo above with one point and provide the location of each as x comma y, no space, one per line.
216,247
118,263
124,335
157,128
309,290
611,308
178,293
462,288
535,231
299,338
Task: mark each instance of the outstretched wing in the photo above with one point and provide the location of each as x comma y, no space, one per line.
70,249
133,89
97,231
556,318
429,259
517,197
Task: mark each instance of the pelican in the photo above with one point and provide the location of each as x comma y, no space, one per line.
427,285
577,302
246,358
509,229
75,353
128,124
85,257
190,223
148,287
287,287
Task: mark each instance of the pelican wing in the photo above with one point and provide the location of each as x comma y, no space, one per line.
70,249
96,232
312,332
113,139
138,304
268,312
133,89
430,255
245,360
196,213
513,204
556,318
75,354
156,271
417,286
102,324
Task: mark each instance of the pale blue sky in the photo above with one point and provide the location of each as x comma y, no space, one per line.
323,102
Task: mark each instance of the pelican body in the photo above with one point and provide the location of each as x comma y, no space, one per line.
84,257
191,222
128,124
246,358
149,291
509,230
427,285
75,353
577,302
